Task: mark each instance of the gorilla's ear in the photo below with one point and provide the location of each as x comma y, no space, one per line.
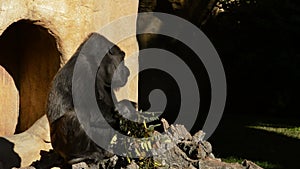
101,94
99,85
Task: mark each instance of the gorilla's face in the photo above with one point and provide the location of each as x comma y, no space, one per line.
113,70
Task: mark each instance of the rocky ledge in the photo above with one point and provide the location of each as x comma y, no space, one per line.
175,149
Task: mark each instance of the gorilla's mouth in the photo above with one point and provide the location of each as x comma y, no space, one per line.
117,89
116,85
120,79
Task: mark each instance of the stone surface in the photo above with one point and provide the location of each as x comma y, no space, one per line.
38,36
217,164
184,152
132,165
250,165
198,137
27,145
178,133
81,165
9,109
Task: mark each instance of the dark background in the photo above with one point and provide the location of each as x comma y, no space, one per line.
258,43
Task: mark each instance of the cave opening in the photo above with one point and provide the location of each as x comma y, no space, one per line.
28,55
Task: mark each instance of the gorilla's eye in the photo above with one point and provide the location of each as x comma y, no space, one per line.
123,55
110,51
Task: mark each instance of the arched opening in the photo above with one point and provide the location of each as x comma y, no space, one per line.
29,54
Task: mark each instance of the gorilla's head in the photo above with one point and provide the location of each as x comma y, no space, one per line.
112,69
112,72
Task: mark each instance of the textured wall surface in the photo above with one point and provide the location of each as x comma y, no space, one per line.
10,104
25,147
39,36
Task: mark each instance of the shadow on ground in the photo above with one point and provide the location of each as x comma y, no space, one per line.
8,157
234,139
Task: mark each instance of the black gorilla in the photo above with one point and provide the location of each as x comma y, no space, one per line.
68,138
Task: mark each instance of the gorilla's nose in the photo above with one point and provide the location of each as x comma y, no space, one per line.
126,72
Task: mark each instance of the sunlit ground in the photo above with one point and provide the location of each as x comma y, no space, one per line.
286,131
271,142
293,132
264,164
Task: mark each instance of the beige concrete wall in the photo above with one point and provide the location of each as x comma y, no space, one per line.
69,22
10,105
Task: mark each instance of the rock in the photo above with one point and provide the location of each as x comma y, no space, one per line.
250,165
30,167
25,147
81,165
188,153
191,167
109,163
9,105
132,165
178,133
174,158
207,147
165,124
185,151
198,137
216,164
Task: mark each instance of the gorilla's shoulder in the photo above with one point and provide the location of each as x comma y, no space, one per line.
91,46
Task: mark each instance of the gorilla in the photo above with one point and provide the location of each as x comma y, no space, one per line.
68,137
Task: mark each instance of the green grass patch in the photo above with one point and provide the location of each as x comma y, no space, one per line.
232,159
267,165
293,132
263,164
270,142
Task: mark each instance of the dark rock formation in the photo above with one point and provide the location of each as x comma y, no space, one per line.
175,149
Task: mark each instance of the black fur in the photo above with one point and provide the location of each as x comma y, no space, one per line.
68,138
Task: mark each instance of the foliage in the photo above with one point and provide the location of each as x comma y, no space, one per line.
269,149
257,42
143,146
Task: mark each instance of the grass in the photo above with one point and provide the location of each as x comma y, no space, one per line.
263,164
270,142
286,131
